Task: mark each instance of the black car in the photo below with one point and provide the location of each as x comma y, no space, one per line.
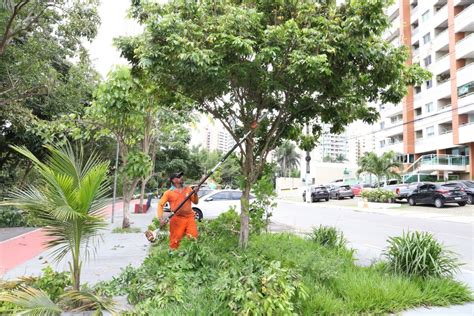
468,187
318,192
437,195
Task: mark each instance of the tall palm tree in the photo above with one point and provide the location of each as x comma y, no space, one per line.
383,166
68,198
287,157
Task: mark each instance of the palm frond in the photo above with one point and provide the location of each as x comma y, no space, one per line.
88,301
31,301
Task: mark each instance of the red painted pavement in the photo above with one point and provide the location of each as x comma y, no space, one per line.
16,250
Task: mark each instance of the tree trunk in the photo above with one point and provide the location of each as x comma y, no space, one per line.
142,193
126,205
248,172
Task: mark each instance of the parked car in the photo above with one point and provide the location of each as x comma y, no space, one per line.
340,192
403,190
219,201
437,195
357,188
468,187
318,192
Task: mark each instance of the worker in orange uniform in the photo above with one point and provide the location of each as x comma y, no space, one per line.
182,223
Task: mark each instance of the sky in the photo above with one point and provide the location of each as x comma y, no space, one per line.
114,23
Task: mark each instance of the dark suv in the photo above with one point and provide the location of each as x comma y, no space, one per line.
318,192
468,187
437,195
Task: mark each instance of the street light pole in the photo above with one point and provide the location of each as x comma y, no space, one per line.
307,176
115,182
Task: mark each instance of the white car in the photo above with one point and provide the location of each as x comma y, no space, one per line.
215,203
219,201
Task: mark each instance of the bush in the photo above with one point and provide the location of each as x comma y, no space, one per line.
420,254
327,236
379,195
10,217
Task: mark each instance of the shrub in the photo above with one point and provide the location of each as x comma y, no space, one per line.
420,254
10,217
258,287
328,236
261,207
379,195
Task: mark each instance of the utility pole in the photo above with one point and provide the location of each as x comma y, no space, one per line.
115,181
308,176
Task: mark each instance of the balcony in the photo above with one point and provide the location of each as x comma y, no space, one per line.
443,90
432,143
441,41
465,74
441,16
392,9
465,47
466,133
442,163
463,21
466,104
441,65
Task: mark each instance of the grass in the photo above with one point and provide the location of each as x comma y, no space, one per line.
277,274
129,230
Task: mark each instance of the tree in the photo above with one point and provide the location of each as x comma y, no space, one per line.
384,166
296,62
340,158
38,80
287,158
69,198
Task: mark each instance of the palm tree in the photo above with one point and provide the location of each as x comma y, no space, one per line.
68,198
383,166
287,158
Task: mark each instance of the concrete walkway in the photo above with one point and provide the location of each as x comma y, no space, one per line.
113,251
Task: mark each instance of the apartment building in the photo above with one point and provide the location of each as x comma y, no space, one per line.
211,135
432,129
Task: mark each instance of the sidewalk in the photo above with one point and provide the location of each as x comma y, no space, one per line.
113,252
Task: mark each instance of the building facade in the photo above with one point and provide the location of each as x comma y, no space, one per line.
432,129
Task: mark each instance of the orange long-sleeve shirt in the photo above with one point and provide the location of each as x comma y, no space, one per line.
175,198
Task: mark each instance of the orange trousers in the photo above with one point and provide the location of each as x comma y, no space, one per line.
181,226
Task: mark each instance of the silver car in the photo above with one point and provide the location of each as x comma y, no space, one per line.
341,192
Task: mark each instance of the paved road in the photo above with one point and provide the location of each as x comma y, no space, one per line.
368,232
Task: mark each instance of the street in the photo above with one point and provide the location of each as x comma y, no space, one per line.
368,232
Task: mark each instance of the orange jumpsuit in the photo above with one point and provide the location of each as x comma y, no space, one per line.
183,223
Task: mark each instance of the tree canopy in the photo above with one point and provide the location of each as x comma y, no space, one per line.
296,61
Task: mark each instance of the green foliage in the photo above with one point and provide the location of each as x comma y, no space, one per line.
287,158
44,71
276,274
328,236
128,230
53,283
139,165
385,166
10,217
259,287
261,208
379,195
69,199
420,254
298,63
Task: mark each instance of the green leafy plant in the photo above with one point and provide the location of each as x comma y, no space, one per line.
379,195
69,198
10,217
420,254
328,236
53,283
261,207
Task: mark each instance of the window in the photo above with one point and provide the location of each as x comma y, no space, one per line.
382,125
418,111
427,61
417,89
426,38
221,196
236,195
429,84
426,16
430,131
429,107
